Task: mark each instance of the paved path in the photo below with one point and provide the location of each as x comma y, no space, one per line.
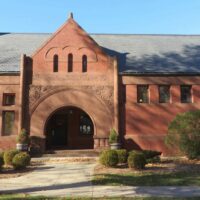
74,179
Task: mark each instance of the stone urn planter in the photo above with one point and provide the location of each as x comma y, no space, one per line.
22,141
115,146
114,140
22,147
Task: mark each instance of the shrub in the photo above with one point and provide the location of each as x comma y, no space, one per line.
21,160
23,137
1,160
122,155
9,155
109,158
136,160
1,154
151,156
184,133
113,137
36,145
155,159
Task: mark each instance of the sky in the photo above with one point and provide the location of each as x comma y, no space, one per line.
102,16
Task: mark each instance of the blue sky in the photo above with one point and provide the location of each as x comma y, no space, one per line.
102,16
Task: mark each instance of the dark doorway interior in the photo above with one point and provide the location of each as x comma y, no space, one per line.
69,128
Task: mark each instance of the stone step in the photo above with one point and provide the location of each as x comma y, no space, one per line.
72,153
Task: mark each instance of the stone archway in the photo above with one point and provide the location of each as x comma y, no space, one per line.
69,128
99,113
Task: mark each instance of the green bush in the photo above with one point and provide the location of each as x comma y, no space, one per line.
21,160
155,159
113,137
1,160
36,146
152,156
109,158
136,160
184,133
9,155
122,155
23,137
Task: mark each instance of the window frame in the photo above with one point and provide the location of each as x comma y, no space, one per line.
55,63
159,92
70,63
3,121
84,63
190,94
148,95
89,123
5,95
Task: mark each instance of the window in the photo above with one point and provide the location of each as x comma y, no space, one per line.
8,99
164,94
70,62
142,94
55,63
8,122
86,125
186,96
84,63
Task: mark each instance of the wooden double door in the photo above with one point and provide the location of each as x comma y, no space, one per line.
69,128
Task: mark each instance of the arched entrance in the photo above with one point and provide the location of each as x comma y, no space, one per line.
69,128
99,112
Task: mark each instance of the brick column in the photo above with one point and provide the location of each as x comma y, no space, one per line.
116,96
21,92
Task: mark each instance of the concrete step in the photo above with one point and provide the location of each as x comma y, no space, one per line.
72,153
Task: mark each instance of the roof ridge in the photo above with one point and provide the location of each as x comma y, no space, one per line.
116,34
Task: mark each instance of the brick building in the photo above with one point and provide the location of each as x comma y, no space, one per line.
70,88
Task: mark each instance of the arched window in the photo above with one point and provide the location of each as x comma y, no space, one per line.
55,63
84,63
70,62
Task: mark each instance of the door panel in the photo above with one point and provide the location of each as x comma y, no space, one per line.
59,130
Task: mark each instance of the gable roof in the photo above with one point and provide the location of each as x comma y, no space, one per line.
137,54
64,36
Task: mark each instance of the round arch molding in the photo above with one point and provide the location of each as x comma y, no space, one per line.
97,110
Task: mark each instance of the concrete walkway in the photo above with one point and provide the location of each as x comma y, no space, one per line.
74,179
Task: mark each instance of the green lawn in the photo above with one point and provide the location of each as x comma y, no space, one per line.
149,179
26,197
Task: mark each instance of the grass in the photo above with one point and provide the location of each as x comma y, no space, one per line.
27,197
149,179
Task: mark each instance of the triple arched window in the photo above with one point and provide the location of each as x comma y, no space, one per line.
70,63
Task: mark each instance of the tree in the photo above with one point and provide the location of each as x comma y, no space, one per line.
184,133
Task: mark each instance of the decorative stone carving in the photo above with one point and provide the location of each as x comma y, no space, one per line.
105,93
36,92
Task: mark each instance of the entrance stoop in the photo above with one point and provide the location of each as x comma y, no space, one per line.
72,153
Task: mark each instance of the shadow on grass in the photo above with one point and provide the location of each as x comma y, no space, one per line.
136,179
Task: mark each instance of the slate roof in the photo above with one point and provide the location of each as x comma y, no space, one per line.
137,54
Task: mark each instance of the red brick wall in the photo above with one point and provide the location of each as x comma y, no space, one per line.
9,84
146,124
